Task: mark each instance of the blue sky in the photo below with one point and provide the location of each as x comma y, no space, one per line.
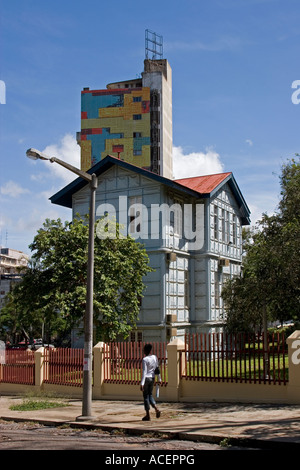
233,65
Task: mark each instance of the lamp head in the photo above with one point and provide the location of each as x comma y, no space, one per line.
36,154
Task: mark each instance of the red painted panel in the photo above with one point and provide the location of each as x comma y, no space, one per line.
145,107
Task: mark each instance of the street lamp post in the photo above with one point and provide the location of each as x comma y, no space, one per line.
88,319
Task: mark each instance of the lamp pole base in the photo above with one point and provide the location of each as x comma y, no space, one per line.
86,418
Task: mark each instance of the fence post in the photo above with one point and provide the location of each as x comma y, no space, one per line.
174,349
98,351
293,342
39,368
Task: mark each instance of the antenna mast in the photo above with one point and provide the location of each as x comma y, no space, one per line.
153,45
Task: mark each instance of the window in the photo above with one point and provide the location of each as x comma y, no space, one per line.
136,336
136,135
186,289
134,214
137,99
137,152
137,117
216,223
225,226
234,230
176,217
217,289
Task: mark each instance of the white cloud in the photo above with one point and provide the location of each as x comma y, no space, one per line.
34,220
13,189
21,221
249,142
67,150
195,163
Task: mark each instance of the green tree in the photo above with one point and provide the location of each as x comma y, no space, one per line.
270,281
53,290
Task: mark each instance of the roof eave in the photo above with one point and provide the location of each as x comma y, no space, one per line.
64,196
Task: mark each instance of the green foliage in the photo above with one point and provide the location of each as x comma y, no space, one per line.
31,405
270,280
53,289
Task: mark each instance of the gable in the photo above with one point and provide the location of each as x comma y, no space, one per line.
211,185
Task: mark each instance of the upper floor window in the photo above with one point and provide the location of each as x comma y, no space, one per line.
134,214
137,117
234,230
176,217
216,222
225,226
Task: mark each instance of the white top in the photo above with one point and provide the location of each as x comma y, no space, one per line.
149,365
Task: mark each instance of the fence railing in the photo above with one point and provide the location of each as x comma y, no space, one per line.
18,367
207,357
123,362
235,358
64,366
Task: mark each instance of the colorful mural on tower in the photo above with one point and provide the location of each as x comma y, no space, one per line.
115,122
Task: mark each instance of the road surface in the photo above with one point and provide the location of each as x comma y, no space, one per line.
34,436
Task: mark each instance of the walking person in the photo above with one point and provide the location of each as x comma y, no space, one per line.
149,364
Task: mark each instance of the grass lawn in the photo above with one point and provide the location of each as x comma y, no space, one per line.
33,404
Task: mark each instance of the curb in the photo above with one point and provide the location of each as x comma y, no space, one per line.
207,438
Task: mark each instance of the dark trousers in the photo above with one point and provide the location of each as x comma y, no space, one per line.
147,394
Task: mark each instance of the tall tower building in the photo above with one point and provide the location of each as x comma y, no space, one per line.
131,120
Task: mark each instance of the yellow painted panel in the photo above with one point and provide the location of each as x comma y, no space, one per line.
90,123
86,152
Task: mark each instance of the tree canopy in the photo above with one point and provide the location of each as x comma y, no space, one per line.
53,289
270,279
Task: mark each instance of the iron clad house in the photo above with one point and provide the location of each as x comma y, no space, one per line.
191,229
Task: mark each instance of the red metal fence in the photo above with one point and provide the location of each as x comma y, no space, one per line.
18,367
236,358
123,362
64,366
213,356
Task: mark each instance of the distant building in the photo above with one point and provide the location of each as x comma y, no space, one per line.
11,264
130,120
192,232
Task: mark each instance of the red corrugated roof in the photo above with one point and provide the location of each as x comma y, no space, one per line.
203,184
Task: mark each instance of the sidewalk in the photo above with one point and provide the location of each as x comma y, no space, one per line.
258,426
